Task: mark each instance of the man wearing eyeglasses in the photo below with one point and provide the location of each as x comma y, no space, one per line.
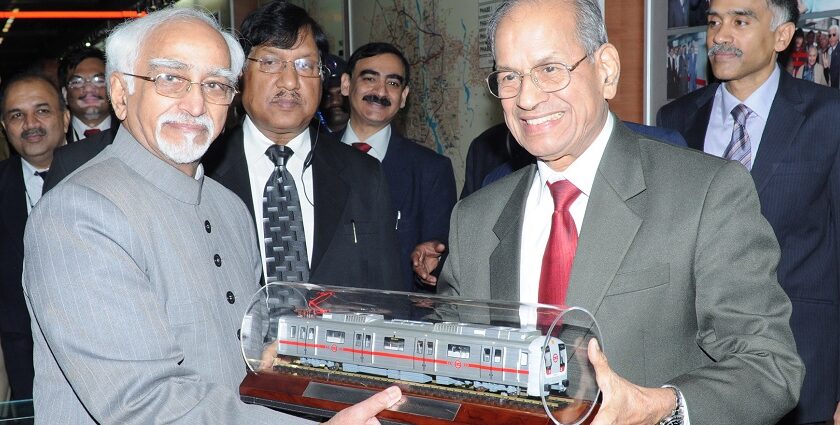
138,267
332,216
665,246
82,75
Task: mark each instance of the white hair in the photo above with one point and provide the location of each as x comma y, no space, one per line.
122,47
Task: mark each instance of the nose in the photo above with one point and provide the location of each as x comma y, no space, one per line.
288,78
722,34
529,94
193,101
30,121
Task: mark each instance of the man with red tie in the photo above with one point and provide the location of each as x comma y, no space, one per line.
665,246
421,182
82,75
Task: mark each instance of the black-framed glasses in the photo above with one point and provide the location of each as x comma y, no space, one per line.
169,85
303,66
77,81
549,77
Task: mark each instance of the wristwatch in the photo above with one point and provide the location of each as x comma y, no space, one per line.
676,416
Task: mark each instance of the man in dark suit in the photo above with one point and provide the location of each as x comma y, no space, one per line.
421,182
349,236
35,120
834,55
81,74
793,152
665,246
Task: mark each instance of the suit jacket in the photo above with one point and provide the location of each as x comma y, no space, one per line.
422,187
15,332
676,264
797,174
137,279
677,13
834,70
351,204
68,158
72,137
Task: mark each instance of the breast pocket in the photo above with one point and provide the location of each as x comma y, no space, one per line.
640,280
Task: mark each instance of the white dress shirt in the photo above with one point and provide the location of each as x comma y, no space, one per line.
260,168
378,141
721,122
79,127
32,184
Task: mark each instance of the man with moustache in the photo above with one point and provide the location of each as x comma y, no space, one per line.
665,246
138,266
786,133
82,73
35,120
334,219
421,182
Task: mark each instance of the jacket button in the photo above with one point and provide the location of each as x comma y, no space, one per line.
207,226
218,260
231,299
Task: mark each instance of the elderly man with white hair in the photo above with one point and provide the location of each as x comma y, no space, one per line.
138,267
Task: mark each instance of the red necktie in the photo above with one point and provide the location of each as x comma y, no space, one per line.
362,146
91,132
560,249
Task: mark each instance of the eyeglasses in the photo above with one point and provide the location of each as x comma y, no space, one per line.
77,81
174,86
549,78
303,67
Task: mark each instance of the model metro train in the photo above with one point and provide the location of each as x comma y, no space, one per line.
498,359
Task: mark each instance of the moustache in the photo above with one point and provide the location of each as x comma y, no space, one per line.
725,48
382,100
187,119
289,94
33,132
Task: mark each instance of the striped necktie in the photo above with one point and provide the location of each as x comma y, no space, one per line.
739,147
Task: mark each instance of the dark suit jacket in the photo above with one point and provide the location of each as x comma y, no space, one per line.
68,158
422,188
15,333
71,132
797,174
834,70
349,191
674,261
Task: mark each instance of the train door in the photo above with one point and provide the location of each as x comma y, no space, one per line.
487,363
362,347
424,355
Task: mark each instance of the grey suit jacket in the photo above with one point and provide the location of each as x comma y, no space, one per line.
676,263
137,278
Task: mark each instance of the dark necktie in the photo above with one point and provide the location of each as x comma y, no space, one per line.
739,146
562,244
42,174
362,146
285,242
92,132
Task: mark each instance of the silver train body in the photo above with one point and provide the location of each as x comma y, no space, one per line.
498,359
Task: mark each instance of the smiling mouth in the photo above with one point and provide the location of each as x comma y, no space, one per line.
545,119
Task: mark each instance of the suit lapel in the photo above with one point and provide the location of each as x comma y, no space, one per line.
782,126
610,223
232,170
330,195
13,198
394,166
698,119
504,260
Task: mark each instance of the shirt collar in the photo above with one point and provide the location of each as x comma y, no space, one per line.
79,127
378,141
256,143
759,101
581,172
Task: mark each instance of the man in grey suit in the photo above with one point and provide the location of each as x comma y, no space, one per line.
665,246
137,267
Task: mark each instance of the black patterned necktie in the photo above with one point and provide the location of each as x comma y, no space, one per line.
42,174
285,242
739,148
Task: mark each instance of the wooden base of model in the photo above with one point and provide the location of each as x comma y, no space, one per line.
320,395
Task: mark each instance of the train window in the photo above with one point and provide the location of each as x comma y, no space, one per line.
335,337
420,347
486,357
430,348
302,333
293,331
523,359
311,333
394,343
367,341
497,356
358,340
458,351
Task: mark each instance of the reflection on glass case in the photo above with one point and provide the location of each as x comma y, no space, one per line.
443,352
